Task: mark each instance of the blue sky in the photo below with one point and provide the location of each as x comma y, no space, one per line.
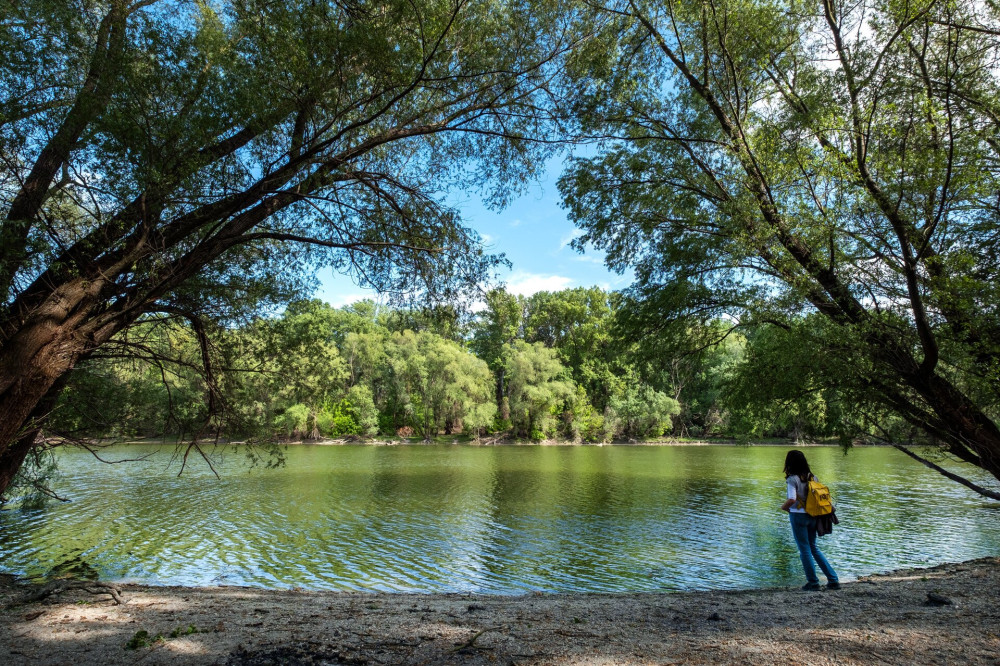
533,232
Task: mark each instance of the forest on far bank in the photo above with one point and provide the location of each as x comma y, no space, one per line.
554,365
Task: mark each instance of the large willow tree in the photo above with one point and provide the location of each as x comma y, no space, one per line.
767,159
189,157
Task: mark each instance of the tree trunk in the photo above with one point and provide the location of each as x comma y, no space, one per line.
504,413
24,406
12,457
971,430
34,362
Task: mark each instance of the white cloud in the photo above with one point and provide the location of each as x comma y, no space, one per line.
340,300
624,279
589,259
516,222
527,284
477,306
488,239
567,239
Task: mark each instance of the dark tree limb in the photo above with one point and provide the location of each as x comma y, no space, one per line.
985,492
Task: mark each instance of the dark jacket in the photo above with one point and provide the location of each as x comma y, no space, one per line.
824,524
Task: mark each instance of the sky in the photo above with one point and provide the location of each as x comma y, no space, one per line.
534,233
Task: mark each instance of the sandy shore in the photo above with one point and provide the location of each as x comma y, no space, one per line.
885,619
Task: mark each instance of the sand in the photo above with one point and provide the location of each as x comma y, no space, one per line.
884,619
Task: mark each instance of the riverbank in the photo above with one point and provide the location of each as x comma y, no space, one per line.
883,619
486,441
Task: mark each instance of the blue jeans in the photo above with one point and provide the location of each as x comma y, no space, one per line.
804,531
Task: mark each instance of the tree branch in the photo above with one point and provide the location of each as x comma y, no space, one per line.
985,492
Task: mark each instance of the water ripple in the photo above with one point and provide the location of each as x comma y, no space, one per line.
499,520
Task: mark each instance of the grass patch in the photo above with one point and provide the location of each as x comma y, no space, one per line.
181,631
142,639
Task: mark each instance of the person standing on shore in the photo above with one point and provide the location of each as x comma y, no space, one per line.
797,475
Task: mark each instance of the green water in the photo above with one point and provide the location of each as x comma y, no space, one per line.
502,520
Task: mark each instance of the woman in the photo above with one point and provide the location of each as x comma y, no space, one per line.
797,475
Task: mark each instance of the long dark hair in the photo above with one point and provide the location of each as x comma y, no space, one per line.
795,463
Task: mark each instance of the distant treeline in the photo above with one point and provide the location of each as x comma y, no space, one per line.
566,364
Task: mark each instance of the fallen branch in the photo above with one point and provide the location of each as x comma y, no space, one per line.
59,586
471,643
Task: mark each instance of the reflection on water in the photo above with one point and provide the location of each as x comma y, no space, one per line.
503,520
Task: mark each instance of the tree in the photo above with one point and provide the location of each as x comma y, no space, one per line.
496,328
199,159
144,384
302,359
788,384
539,385
444,320
768,159
577,324
642,411
689,360
437,384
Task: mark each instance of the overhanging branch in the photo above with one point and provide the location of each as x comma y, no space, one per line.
985,492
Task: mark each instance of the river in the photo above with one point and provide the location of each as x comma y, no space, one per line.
504,520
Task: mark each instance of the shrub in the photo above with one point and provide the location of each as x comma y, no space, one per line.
361,407
337,420
294,421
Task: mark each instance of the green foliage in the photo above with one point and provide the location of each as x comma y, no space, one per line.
365,355
158,392
442,320
687,360
539,385
182,631
641,411
355,414
582,421
363,409
31,484
143,639
808,202
806,381
201,161
307,366
497,326
317,371
779,388
337,422
577,324
766,163
295,421
436,385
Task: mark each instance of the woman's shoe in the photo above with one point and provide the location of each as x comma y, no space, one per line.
811,587
833,586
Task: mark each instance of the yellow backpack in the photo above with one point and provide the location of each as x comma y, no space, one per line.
817,501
